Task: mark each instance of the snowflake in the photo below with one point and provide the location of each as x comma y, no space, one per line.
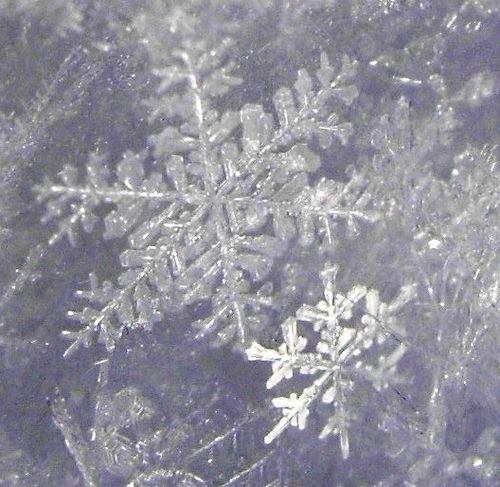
214,203
338,356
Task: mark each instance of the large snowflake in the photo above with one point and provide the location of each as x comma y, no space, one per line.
216,200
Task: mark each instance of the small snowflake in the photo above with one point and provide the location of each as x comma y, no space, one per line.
338,357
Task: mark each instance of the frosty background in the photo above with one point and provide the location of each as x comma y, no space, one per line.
249,243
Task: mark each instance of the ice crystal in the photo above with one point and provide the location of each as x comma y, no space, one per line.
130,440
338,357
75,441
433,465
197,163
223,195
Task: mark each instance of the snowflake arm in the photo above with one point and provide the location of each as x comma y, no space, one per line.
115,311
295,410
